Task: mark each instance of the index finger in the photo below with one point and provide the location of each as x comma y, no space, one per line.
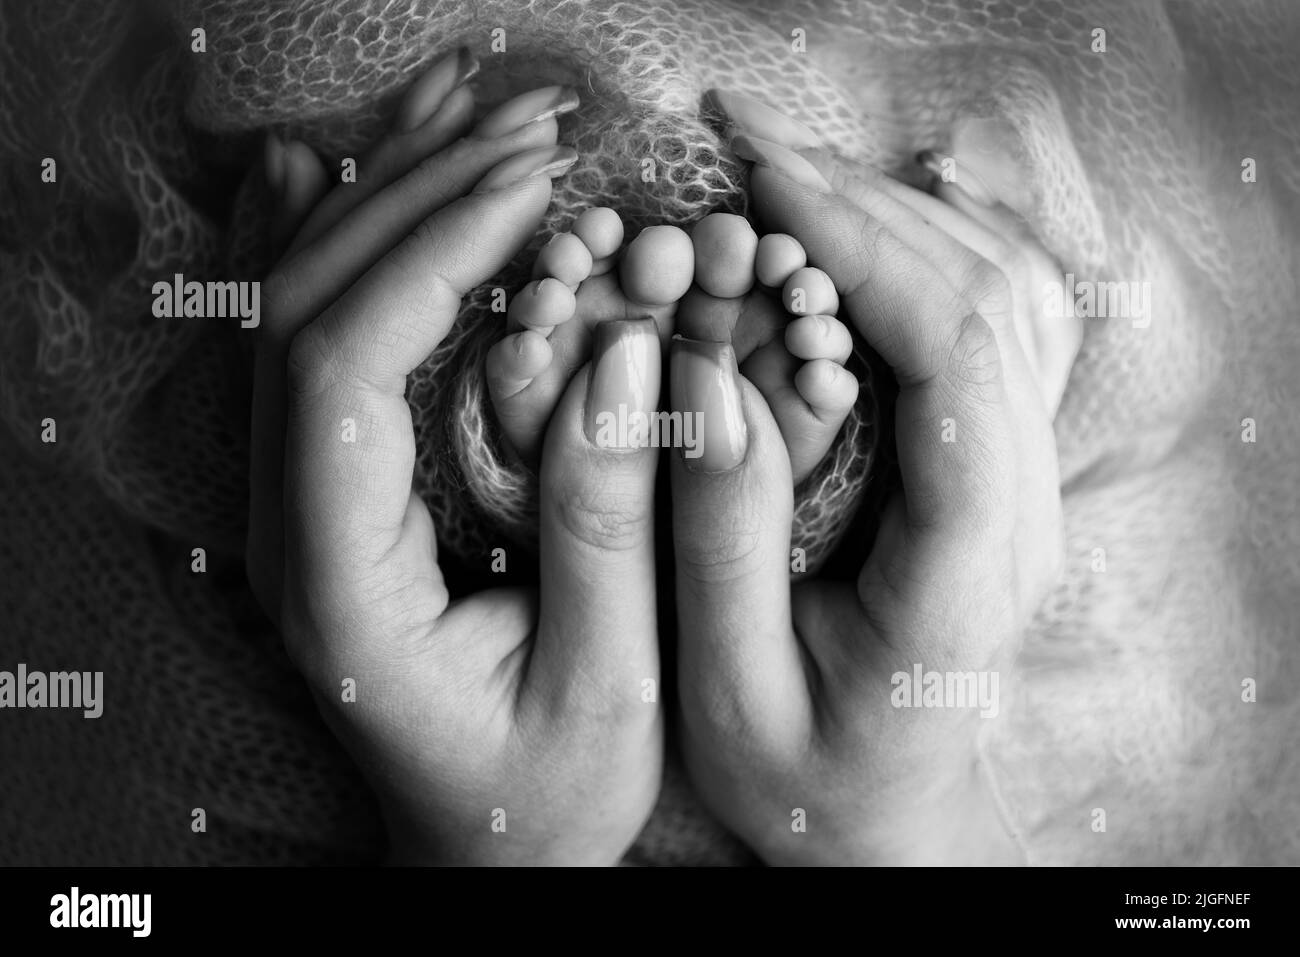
350,445
943,353
956,443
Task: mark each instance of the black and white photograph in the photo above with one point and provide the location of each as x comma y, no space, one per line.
683,433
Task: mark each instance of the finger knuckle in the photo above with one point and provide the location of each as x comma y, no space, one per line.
974,360
601,519
986,283
722,556
310,367
429,176
419,262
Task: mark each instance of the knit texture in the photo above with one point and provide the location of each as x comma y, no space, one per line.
1129,690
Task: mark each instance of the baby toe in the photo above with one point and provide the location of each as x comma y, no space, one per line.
777,258
658,266
601,229
566,258
829,389
819,337
725,250
542,305
809,291
514,362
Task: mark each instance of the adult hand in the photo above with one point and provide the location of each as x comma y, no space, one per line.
509,725
792,728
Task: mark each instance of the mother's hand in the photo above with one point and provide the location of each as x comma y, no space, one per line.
510,725
787,695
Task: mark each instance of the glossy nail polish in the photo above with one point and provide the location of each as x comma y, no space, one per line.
623,390
526,108
706,388
752,117
427,94
777,157
550,161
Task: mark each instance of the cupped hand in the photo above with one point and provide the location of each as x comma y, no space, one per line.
512,725
795,724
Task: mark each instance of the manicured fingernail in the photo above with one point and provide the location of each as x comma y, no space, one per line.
551,161
527,108
963,179
706,390
751,116
428,92
274,163
777,157
623,391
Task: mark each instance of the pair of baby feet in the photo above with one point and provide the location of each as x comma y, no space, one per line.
720,282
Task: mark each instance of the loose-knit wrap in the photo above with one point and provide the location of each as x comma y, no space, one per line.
1129,690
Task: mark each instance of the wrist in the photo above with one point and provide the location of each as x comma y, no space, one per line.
956,822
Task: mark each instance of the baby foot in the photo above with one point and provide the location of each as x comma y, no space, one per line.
786,337
529,369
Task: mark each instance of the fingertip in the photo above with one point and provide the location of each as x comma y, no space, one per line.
430,93
529,169
305,177
302,184
273,163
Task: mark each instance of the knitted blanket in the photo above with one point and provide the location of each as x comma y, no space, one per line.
1159,682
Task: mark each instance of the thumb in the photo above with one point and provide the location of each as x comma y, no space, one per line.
732,506
598,630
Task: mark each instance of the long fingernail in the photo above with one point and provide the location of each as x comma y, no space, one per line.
961,178
777,157
527,108
706,391
273,158
751,116
552,161
427,93
623,391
